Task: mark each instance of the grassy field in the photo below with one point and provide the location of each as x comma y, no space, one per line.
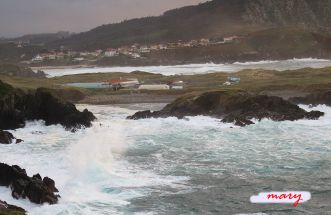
302,80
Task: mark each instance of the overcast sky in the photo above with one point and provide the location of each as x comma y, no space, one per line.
18,17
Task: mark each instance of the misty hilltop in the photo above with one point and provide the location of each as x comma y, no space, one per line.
211,19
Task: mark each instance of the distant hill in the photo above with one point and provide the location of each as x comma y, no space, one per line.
13,50
271,44
11,53
20,71
210,19
40,39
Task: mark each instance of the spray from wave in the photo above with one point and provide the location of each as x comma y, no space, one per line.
171,166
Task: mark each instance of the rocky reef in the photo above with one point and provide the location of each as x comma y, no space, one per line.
8,138
17,106
239,108
36,189
7,209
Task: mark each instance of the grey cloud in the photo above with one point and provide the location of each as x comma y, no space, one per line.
19,17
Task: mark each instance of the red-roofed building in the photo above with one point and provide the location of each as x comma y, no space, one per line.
117,84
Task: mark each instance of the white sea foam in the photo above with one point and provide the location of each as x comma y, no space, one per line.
83,164
200,68
257,62
100,170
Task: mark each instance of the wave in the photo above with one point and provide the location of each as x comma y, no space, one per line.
106,168
309,60
256,62
189,69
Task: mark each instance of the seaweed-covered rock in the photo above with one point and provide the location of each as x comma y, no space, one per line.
236,107
34,188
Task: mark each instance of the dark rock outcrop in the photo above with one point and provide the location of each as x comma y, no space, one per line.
314,99
34,188
7,209
238,108
8,138
16,107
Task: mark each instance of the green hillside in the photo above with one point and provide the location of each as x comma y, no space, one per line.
210,19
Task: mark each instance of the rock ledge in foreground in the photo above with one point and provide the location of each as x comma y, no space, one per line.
17,106
36,189
7,209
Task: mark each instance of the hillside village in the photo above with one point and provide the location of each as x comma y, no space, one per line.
133,51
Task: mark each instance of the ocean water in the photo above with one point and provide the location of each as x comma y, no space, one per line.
170,166
281,65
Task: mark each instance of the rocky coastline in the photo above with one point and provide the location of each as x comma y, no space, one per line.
239,108
8,138
17,107
37,189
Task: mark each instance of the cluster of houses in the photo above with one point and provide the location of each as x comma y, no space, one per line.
71,55
135,84
133,51
137,50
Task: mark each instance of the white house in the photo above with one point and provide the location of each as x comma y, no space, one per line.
135,55
37,58
111,53
51,57
123,83
154,87
177,87
163,46
230,39
79,59
144,49
178,83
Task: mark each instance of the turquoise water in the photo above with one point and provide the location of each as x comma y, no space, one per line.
171,166
91,85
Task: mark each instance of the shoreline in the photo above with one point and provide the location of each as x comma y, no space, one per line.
187,69
242,63
63,67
